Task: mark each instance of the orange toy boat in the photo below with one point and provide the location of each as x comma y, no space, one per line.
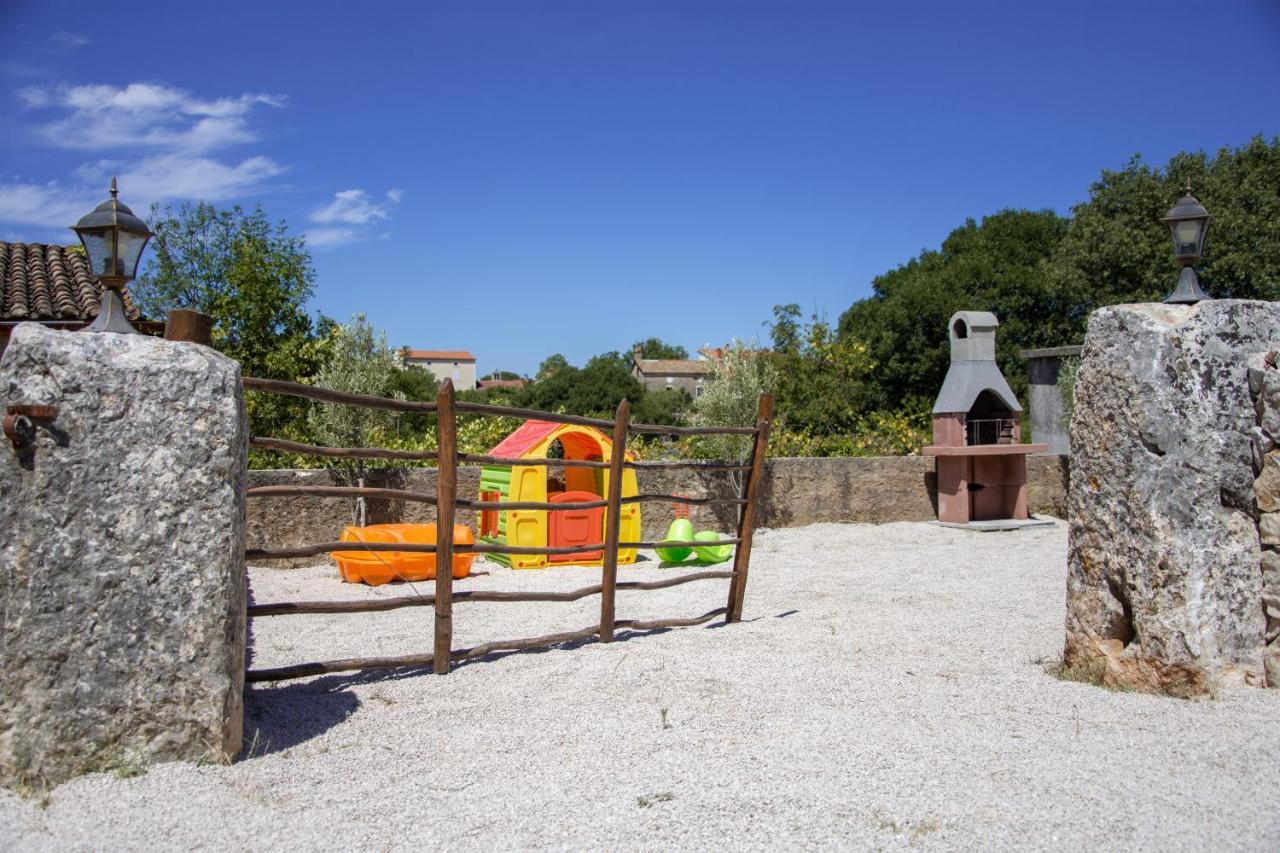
378,567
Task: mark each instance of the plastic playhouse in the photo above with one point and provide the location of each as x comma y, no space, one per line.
378,567
562,528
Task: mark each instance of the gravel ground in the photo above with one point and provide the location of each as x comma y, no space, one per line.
887,690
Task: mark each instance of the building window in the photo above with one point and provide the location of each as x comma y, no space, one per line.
697,392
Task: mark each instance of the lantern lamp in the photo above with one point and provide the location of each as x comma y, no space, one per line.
1188,224
113,239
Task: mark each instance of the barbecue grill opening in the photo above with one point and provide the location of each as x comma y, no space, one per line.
989,421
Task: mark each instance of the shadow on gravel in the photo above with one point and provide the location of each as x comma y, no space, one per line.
283,716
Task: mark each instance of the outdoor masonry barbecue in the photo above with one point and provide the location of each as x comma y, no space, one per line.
977,429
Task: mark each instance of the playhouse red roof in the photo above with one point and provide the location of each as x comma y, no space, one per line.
532,432
523,439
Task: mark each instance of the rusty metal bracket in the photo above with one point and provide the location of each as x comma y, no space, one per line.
20,423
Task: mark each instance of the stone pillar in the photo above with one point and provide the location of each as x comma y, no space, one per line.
1164,591
1264,385
122,582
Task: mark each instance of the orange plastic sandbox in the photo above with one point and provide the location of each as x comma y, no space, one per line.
378,567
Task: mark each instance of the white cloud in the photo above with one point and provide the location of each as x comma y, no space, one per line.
48,205
62,43
328,238
350,216
163,142
95,117
355,207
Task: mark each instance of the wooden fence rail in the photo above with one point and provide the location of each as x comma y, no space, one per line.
447,502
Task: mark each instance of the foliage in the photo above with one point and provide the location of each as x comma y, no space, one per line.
360,363
595,389
254,279
657,348
552,364
732,398
822,378
898,433
997,265
408,382
1118,251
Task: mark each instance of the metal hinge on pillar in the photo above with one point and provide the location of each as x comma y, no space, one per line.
20,423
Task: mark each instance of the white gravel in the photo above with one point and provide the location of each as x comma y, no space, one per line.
887,690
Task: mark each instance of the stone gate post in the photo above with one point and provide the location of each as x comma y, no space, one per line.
122,581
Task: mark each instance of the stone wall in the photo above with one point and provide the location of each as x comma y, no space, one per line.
1164,590
1264,386
122,583
794,492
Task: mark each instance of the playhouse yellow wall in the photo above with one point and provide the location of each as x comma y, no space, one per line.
528,528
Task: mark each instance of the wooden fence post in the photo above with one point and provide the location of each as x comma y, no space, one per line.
613,520
446,494
747,521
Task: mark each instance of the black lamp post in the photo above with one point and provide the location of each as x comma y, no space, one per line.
1188,222
113,238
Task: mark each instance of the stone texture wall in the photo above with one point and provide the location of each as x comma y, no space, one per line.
794,492
1264,386
1164,590
122,584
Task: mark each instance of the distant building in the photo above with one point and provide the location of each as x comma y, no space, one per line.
669,374
458,365
501,383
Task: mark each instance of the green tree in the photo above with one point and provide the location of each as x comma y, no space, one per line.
254,279
999,265
360,363
822,378
595,389
552,364
657,348
732,398
1118,251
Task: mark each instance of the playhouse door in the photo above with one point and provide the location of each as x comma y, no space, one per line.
571,527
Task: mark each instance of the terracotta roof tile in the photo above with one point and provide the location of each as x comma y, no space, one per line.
49,282
438,354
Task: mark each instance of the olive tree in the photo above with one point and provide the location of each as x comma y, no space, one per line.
360,362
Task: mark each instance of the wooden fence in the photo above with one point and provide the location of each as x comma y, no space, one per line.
446,502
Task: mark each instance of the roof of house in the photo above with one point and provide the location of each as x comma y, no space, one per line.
438,354
501,383
580,442
674,367
47,282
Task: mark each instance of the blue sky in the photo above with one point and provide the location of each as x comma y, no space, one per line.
588,174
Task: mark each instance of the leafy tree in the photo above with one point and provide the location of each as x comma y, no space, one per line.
822,378
732,398
552,364
997,265
1118,251
657,348
408,382
595,389
360,363
254,279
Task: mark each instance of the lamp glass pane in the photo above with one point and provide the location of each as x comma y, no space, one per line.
97,245
1186,237
130,248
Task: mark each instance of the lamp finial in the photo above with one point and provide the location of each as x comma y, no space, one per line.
114,191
